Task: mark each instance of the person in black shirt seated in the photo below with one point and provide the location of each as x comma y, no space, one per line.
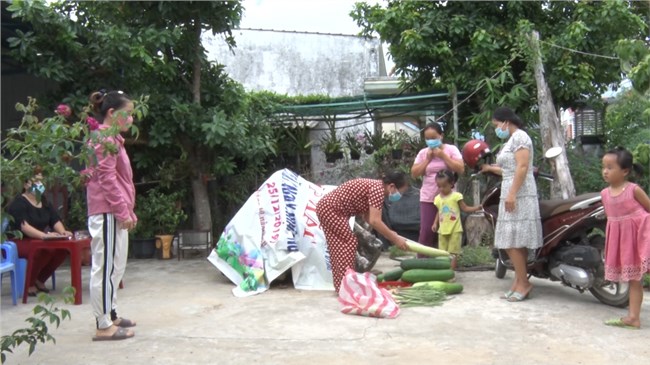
37,220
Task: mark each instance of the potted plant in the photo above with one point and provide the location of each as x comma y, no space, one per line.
158,218
300,143
166,219
413,145
142,241
355,142
374,141
330,143
397,140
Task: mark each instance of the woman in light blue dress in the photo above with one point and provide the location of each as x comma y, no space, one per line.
519,225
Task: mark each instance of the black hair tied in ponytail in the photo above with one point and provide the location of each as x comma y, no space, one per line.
102,101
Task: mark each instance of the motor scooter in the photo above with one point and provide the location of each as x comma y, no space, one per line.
573,242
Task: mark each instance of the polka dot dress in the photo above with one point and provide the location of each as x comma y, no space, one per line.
334,210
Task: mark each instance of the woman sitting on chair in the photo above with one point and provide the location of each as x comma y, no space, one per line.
37,220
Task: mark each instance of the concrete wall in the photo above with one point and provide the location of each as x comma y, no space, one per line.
299,63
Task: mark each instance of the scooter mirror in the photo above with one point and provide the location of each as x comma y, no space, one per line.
553,152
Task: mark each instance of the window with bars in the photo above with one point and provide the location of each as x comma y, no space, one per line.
588,125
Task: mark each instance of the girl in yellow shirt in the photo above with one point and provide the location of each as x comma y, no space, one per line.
447,222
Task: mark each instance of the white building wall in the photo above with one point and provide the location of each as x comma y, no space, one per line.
299,63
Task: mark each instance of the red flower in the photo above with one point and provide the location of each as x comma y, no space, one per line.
63,110
92,123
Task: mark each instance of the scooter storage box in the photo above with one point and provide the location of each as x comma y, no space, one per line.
579,255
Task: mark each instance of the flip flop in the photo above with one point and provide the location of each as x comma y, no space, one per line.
42,288
125,323
618,322
517,297
507,294
120,334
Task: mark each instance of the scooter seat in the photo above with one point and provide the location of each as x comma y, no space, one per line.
548,208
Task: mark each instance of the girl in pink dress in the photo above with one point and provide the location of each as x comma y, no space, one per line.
627,248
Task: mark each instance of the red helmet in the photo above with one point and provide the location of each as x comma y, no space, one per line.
474,150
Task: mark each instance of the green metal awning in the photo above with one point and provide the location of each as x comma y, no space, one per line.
431,103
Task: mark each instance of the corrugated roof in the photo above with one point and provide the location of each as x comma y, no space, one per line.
365,106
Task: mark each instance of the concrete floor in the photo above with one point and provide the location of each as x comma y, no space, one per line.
186,314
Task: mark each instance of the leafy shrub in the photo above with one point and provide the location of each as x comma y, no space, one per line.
38,330
475,256
585,171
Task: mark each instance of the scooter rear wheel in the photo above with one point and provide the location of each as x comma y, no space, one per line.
614,294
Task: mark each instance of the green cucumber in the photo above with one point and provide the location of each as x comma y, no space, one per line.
390,275
418,275
439,263
449,288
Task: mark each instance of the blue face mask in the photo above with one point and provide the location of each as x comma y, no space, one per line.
394,197
433,143
502,134
38,189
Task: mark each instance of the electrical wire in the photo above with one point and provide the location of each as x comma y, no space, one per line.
477,90
580,52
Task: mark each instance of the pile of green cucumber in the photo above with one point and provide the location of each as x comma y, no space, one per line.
428,272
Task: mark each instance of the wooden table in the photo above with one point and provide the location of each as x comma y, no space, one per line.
74,248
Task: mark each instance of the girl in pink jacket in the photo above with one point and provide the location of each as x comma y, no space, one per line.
111,198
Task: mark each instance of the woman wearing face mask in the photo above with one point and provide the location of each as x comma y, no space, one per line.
363,197
519,225
37,219
436,157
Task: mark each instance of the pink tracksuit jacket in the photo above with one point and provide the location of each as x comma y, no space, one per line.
110,186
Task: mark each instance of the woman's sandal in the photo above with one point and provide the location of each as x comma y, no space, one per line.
120,334
518,297
42,288
507,294
125,323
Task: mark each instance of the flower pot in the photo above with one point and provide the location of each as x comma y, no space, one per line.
355,155
369,150
164,246
331,157
397,154
143,248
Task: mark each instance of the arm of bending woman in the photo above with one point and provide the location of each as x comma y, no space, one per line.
375,221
